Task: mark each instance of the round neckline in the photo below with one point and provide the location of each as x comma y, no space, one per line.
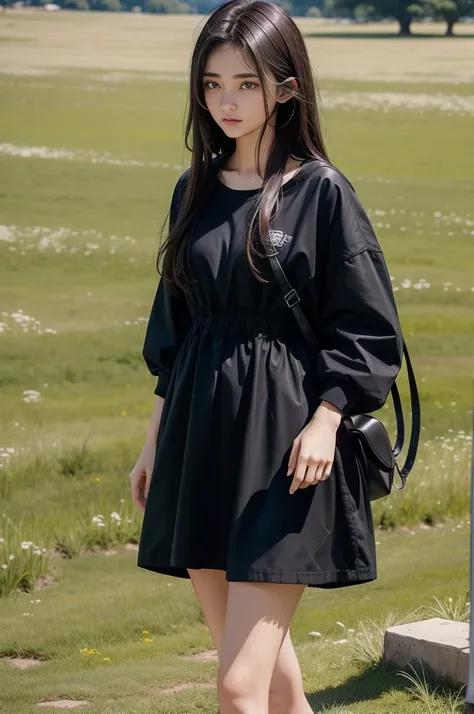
294,180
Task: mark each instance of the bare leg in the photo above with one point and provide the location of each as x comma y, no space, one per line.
257,619
286,688
286,694
211,589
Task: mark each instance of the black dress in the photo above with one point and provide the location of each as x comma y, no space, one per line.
241,382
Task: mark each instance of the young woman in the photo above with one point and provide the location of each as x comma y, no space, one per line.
247,478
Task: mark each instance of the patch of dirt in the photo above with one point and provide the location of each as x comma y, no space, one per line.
55,554
185,685
97,550
206,656
65,703
44,582
23,662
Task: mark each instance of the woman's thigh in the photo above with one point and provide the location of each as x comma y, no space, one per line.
256,622
211,589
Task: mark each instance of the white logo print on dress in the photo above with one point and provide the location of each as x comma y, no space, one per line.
278,238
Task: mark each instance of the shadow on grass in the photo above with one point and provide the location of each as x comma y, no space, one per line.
368,685
383,36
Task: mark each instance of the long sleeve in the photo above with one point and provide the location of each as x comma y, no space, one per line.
169,321
360,335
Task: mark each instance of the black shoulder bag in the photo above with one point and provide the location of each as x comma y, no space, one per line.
377,458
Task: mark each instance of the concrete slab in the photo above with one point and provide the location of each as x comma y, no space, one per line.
441,644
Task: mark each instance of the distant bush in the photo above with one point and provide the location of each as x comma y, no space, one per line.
76,5
110,5
365,13
173,7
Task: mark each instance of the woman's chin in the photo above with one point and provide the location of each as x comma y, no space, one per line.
234,131
239,131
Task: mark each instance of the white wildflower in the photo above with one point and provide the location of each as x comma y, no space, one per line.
31,395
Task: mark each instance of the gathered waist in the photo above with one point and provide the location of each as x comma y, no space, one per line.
249,324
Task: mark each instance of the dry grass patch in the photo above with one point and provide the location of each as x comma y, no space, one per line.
122,41
207,656
65,703
23,662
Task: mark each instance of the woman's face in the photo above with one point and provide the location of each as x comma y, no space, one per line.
233,91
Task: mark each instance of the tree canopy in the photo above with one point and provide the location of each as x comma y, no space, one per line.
403,11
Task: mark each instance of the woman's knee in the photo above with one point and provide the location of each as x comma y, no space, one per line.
238,689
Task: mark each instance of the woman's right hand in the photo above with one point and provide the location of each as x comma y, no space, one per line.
140,476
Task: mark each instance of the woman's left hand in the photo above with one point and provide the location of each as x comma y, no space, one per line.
312,455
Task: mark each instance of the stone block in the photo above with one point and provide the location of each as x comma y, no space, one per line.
441,644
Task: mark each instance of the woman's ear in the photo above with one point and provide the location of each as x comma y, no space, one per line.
286,89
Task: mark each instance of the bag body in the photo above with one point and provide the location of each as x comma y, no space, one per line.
375,455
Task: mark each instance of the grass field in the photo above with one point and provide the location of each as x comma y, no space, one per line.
90,148
146,631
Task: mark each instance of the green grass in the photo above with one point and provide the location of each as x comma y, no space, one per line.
78,242
418,198
84,609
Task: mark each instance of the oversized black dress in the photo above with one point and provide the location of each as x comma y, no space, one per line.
240,382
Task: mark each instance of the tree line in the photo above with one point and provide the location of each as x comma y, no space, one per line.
403,11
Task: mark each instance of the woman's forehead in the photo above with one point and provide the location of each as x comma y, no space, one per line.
229,59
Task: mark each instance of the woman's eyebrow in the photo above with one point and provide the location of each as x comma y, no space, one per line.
242,75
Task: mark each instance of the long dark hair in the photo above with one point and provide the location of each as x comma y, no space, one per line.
270,40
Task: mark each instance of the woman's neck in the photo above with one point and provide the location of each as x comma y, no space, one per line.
244,159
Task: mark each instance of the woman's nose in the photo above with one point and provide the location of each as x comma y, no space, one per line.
228,102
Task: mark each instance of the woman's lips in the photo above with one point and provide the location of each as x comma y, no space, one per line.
232,121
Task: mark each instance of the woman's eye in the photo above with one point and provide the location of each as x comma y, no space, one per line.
245,85
207,84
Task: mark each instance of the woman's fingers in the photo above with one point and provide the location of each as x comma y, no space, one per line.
307,467
300,472
138,483
320,470
309,476
327,471
309,473
293,456
147,482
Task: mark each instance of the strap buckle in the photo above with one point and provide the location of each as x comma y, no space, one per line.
289,298
403,477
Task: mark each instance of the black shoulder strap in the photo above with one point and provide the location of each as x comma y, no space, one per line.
292,299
